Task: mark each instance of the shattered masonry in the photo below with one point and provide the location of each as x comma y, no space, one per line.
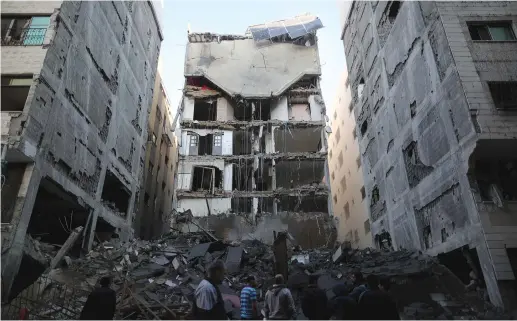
73,133
435,180
252,145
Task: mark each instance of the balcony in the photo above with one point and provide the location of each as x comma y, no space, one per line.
25,37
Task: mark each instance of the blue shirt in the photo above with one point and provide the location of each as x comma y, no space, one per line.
248,297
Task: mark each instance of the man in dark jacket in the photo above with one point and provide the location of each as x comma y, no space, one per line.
279,303
314,302
101,303
359,285
377,304
208,302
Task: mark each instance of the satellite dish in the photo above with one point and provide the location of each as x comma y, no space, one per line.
328,129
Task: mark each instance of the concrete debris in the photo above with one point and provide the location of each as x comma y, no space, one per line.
159,282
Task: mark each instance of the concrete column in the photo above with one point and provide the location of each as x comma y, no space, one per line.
487,267
89,231
20,222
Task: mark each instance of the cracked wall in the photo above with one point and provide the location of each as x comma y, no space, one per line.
87,107
427,109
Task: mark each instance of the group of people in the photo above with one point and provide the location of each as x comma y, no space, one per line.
368,299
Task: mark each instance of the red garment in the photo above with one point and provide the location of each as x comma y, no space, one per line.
24,314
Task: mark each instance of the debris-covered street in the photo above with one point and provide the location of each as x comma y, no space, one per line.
156,280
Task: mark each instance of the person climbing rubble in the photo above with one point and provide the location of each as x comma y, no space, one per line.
314,301
279,303
101,302
208,302
249,309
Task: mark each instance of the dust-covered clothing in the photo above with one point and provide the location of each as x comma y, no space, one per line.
279,303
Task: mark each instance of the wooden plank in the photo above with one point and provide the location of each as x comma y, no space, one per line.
68,244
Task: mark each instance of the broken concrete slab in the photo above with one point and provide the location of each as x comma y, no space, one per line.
233,259
148,271
160,260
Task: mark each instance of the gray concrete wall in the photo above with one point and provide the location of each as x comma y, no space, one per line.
89,109
414,120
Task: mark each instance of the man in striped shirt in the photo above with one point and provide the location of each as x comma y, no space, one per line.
249,300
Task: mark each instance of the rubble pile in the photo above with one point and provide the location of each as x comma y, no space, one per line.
157,279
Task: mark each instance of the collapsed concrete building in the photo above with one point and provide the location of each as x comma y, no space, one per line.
252,143
157,185
434,97
77,83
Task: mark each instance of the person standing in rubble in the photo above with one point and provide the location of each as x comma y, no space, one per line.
249,309
101,302
359,285
208,302
279,303
376,303
314,302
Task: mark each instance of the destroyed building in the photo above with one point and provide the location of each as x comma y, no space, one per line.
157,185
434,96
77,83
252,144
346,177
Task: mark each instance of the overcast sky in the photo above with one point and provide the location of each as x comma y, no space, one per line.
234,17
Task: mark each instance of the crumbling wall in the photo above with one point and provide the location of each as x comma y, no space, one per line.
309,231
412,121
256,71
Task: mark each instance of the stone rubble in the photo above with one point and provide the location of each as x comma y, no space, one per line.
157,279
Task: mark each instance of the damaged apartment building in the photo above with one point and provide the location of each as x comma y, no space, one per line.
434,88
157,185
253,143
77,83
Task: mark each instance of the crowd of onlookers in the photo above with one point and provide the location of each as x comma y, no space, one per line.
367,299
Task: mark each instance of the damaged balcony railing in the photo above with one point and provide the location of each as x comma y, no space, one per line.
25,37
46,299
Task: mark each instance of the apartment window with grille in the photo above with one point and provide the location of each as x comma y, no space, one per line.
14,92
218,140
193,140
358,161
24,31
366,226
340,159
338,136
491,31
363,193
343,183
347,210
504,94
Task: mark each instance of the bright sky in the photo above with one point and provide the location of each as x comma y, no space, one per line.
234,17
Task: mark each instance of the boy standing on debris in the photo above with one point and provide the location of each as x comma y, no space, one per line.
208,302
279,301
249,300
101,303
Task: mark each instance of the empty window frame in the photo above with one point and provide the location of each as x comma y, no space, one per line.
394,10
491,31
343,182
504,94
205,110
363,193
24,31
366,226
338,135
206,179
360,88
218,140
14,92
